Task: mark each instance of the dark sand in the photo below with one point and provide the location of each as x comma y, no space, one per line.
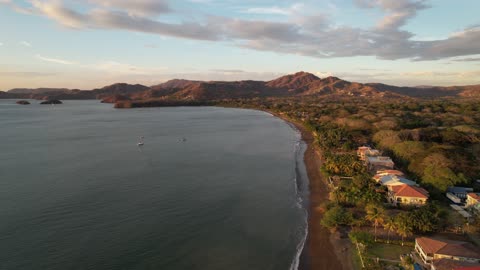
323,250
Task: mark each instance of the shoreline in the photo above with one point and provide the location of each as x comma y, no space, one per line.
323,250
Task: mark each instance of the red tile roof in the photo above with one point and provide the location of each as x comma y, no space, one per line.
474,196
448,247
446,264
409,191
394,172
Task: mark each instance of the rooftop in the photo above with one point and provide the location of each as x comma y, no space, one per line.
390,172
393,180
475,196
446,264
448,247
409,191
459,189
379,159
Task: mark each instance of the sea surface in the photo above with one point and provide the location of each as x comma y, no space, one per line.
76,192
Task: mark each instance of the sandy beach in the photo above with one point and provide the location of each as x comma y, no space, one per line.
323,250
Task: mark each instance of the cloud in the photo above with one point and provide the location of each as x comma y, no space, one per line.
15,7
137,7
228,70
54,60
1,44
471,59
114,67
26,44
25,73
303,31
118,19
268,10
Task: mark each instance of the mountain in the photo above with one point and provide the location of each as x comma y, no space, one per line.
64,93
295,82
298,84
119,89
37,91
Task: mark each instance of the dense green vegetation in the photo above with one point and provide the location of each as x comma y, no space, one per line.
435,142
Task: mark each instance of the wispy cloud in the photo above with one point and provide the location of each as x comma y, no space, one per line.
26,73
471,59
54,60
311,34
115,67
268,10
1,44
228,70
25,43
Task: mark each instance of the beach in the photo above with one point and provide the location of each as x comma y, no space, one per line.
323,250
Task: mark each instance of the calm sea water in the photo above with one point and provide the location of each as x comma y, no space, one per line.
76,192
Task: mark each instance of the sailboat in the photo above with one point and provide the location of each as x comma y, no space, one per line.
140,143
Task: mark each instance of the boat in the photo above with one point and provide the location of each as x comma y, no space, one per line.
140,143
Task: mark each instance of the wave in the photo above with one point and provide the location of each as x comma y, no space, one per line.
299,193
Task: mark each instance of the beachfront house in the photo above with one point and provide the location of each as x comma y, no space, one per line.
389,172
375,163
473,199
460,192
446,264
431,250
407,195
458,195
365,151
393,180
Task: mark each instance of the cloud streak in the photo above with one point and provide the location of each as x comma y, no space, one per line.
300,34
54,60
26,44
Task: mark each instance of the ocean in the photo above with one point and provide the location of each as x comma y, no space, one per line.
211,188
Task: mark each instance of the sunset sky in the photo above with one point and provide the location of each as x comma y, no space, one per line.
92,43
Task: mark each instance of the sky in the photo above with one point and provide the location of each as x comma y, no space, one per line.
88,44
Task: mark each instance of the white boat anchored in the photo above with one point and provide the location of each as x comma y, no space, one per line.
140,143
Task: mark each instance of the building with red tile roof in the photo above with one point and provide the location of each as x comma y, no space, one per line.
431,249
407,195
472,199
447,264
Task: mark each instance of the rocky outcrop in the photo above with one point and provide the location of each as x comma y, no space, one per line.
51,101
115,98
23,102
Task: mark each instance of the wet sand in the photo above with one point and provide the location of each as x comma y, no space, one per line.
323,250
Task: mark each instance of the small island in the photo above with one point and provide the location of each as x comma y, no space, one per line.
23,102
52,101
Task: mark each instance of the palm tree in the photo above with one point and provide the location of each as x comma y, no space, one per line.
376,215
389,225
403,225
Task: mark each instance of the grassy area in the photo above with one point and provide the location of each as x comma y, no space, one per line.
357,264
388,251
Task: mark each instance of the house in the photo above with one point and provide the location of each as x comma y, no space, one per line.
459,192
472,199
447,264
389,172
379,162
393,180
407,195
432,249
364,151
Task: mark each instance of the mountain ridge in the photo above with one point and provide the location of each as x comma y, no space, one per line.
297,84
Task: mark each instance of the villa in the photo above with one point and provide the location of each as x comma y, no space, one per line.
407,195
472,199
446,264
432,250
364,151
379,162
393,180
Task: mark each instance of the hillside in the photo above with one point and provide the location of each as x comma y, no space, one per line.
298,84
